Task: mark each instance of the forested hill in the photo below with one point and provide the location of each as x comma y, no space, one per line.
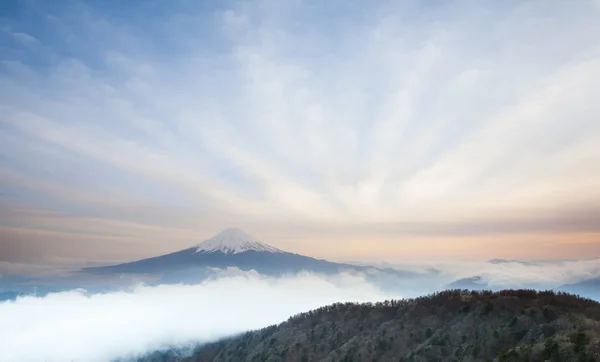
511,325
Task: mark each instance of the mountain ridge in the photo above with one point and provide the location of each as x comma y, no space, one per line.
452,325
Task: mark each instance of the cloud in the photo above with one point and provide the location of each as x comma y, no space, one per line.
75,326
99,327
538,274
453,118
78,326
26,39
548,274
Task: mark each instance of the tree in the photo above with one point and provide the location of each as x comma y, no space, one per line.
428,332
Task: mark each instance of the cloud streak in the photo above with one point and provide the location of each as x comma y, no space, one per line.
458,118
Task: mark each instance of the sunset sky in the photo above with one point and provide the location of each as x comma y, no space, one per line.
348,130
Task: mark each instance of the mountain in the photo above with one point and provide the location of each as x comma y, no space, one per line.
235,248
230,248
589,288
510,325
472,283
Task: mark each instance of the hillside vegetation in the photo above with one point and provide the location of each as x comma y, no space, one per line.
455,325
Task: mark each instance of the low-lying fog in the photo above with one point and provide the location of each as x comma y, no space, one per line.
73,326
77,326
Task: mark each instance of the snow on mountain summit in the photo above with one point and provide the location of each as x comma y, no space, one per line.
233,241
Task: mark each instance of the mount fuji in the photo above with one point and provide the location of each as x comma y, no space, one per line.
234,248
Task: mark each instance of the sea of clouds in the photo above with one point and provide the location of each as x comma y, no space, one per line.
76,326
504,274
79,326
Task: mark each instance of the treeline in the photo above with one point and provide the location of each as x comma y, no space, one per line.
458,298
450,325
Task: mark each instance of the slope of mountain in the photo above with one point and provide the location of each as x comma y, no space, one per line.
511,325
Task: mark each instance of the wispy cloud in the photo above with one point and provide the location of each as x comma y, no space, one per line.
458,118
26,39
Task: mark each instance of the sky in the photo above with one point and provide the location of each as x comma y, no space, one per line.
347,130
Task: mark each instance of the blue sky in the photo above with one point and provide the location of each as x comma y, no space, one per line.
338,129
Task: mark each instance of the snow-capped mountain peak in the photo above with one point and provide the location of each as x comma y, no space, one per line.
233,241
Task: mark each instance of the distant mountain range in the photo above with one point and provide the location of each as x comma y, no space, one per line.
589,288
